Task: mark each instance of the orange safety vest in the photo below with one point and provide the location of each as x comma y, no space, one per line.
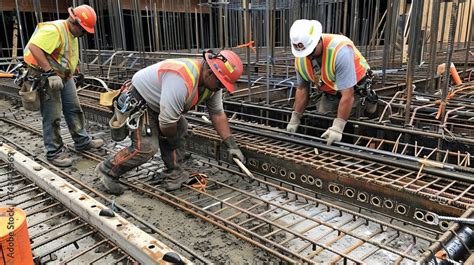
332,44
60,58
189,70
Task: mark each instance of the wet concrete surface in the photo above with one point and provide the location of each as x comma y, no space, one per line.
205,239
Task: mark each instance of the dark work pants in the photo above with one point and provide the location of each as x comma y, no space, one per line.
144,147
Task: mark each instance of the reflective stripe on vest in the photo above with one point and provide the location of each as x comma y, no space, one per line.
207,93
304,67
60,58
332,44
189,70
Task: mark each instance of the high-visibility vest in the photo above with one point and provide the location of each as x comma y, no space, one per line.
61,58
332,44
189,70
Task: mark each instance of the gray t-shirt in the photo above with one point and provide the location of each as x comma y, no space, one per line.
345,69
167,94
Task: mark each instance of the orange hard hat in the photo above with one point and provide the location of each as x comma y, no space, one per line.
227,66
85,16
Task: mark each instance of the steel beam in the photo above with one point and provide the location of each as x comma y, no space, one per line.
140,245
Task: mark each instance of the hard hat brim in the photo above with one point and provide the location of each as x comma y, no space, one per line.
88,29
318,28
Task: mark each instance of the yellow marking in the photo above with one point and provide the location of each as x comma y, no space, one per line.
229,67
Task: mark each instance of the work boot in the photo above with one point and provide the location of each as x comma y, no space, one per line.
61,160
174,178
94,144
111,185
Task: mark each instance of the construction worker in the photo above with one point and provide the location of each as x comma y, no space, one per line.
53,51
163,92
335,65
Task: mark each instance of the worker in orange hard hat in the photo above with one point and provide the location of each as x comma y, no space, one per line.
52,53
84,16
155,101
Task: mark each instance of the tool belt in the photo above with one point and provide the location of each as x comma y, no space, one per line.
364,89
129,107
32,82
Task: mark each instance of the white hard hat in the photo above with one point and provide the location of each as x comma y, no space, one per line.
305,35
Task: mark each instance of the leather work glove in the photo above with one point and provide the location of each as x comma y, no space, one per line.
294,121
334,133
55,82
233,149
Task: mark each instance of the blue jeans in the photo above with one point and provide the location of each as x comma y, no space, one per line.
52,102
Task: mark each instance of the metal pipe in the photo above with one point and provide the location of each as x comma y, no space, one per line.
434,44
469,39
268,29
20,27
415,24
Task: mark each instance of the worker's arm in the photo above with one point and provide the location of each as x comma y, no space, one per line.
54,82
216,113
44,41
301,101
345,81
219,121
334,133
345,104
301,98
40,57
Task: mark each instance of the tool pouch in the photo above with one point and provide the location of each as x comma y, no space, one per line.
29,97
371,101
118,128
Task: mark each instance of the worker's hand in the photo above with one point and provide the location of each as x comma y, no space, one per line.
79,79
334,133
294,122
233,149
55,82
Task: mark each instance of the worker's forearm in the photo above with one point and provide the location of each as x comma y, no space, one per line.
219,121
345,106
40,57
301,99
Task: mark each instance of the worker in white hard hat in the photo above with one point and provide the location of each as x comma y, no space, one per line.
338,69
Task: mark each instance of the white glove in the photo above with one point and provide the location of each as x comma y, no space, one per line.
294,122
334,133
55,82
